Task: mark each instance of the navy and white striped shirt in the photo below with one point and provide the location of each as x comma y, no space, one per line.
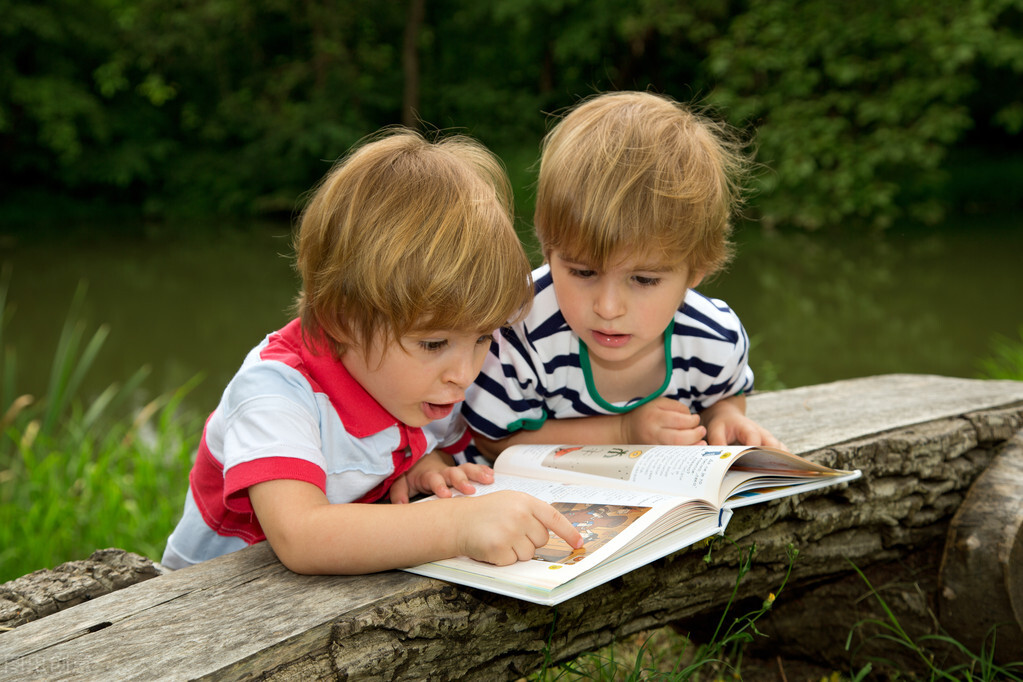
539,369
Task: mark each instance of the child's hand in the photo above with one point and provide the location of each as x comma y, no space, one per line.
727,424
739,430
435,474
508,526
663,421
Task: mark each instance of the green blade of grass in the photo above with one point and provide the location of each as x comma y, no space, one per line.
63,360
79,367
113,397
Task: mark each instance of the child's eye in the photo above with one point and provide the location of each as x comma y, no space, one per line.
581,273
484,340
433,345
646,281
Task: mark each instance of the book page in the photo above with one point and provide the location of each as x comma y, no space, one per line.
598,524
713,473
558,491
769,487
613,523
690,471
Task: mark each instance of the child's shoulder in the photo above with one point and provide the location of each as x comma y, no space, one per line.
273,368
544,318
699,301
542,279
262,378
712,314
543,332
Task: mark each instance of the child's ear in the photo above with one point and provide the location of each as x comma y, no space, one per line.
696,278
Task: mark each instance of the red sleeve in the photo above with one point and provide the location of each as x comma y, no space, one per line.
241,477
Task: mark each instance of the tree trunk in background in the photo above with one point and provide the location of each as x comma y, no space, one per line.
410,63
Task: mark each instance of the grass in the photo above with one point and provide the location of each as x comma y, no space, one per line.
669,656
975,666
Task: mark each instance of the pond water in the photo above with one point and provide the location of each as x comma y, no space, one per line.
819,307
922,300
182,302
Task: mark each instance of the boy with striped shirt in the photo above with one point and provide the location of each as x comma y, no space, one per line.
634,206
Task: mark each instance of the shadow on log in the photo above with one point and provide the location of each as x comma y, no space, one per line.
921,442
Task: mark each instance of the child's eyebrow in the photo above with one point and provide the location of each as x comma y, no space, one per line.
583,263
572,260
440,333
660,267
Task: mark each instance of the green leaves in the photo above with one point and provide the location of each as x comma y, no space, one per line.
849,102
232,106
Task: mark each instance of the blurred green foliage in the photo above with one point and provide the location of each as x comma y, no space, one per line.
238,107
1006,358
855,106
82,472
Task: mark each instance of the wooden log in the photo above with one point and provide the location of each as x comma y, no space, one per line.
981,578
43,592
921,442
958,586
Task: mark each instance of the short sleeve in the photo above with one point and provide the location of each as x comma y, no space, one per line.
506,396
716,351
270,429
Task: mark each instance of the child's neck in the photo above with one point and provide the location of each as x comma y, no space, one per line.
637,378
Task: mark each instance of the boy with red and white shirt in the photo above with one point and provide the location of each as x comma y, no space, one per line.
409,262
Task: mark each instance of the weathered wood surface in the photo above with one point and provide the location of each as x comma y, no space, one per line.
921,441
44,592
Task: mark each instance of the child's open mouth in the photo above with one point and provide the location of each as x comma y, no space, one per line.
435,411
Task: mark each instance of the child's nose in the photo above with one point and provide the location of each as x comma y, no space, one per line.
461,371
609,302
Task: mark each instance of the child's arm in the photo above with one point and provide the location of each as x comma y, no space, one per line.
662,421
310,535
727,424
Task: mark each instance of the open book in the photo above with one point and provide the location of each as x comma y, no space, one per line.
632,503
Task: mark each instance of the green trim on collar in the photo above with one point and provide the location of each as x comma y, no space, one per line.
526,424
584,362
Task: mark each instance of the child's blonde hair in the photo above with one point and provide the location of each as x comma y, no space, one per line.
639,172
404,235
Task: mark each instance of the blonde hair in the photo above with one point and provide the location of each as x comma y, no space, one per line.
405,234
638,172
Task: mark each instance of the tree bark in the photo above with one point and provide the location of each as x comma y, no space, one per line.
410,63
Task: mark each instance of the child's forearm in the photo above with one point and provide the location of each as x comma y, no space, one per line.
312,536
727,424
663,421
